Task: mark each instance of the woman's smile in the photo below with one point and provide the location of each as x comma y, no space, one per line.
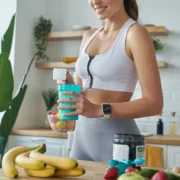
100,10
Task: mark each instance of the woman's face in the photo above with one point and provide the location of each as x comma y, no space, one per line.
106,8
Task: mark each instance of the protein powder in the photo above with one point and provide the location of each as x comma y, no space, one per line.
128,147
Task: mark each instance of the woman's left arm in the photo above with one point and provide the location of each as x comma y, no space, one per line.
141,46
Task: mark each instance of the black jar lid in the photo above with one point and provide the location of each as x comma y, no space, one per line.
124,138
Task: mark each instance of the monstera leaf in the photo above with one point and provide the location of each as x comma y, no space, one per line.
6,82
11,114
6,41
6,75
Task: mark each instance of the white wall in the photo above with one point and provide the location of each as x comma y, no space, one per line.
66,13
7,10
32,110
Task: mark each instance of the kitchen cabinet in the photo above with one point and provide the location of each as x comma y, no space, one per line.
173,156
55,146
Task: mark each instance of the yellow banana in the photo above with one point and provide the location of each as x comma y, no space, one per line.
78,171
23,161
8,160
48,171
57,162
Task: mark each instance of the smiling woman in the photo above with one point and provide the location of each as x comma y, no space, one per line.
111,61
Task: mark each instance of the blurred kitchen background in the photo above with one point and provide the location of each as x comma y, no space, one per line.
66,13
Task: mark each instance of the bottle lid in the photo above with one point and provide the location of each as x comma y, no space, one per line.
173,114
160,120
59,74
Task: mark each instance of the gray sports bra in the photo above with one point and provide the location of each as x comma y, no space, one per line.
113,70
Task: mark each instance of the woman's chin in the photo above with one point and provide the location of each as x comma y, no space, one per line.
102,18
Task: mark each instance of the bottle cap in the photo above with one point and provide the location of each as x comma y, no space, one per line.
59,74
160,120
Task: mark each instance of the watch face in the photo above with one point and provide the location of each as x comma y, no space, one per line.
106,109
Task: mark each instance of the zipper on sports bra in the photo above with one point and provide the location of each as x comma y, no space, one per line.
89,73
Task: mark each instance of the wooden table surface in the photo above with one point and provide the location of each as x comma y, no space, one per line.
94,171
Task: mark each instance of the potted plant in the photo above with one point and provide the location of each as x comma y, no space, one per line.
50,97
40,32
158,45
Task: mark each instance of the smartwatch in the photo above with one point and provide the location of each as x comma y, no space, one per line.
106,110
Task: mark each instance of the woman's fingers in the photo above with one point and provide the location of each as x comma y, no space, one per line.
78,111
67,100
71,93
59,82
72,113
71,106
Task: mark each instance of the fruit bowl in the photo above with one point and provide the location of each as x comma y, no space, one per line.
60,125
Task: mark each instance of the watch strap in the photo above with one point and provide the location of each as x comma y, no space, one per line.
106,116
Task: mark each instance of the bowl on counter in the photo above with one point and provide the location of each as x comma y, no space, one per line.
60,125
79,27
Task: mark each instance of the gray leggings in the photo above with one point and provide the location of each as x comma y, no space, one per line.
93,137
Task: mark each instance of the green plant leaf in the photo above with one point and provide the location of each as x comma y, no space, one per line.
9,117
6,42
6,82
50,97
158,45
40,32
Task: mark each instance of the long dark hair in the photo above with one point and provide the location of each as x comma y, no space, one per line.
131,8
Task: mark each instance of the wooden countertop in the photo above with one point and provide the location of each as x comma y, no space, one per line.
155,139
94,170
39,132
163,139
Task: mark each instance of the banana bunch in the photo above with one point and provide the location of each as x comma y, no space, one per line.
36,164
8,160
78,171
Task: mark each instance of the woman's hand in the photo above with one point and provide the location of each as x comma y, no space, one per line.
69,79
82,105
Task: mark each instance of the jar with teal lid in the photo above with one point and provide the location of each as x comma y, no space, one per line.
64,88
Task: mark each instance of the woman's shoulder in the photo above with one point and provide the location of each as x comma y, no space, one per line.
86,36
137,30
137,34
90,32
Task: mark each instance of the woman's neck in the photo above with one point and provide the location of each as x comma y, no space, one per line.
116,22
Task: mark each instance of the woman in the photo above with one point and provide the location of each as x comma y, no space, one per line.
111,61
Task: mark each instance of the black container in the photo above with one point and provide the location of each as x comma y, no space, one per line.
160,127
128,146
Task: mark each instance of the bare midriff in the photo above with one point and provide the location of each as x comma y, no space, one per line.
98,96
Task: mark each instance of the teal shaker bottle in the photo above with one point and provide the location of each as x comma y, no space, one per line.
67,87
60,74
